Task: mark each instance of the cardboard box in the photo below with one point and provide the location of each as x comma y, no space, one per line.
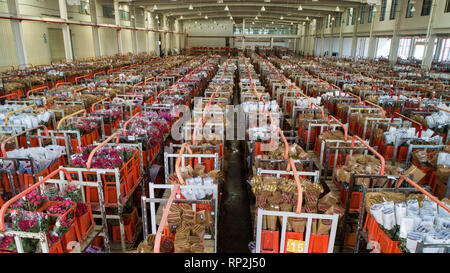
414,173
443,173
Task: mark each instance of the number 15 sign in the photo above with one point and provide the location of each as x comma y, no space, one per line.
295,246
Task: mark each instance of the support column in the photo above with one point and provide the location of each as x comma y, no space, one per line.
271,42
412,48
164,36
17,30
300,35
243,35
65,30
322,42
134,39
147,34
117,22
95,33
354,36
341,38
393,52
429,41
308,38
331,45
305,37
372,40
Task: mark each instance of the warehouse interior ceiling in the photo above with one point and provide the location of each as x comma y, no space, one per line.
259,11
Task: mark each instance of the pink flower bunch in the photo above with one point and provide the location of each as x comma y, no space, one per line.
27,224
34,200
104,158
7,241
106,114
61,207
85,126
150,114
81,209
52,239
166,115
19,204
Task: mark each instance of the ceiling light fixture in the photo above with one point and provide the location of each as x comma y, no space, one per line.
155,7
256,17
191,7
281,17
307,17
413,9
300,7
337,8
206,17
263,8
226,8
195,22
181,17
219,1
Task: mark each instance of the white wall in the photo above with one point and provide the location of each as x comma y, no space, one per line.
36,33
415,26
207,27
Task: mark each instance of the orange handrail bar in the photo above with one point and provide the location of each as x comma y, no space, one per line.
178,162
419,188
114,80
383,162
383,113
97,83
81,77
355,96
318,107
299,187
408,119
36,90
335,86
173,193
340,123
91,155
63,83
128,121
11,95
439,108
12,137
20,195
134,86
104,99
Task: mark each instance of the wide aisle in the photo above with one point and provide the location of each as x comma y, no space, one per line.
235,228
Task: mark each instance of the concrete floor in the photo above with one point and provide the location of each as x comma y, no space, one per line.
235,228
